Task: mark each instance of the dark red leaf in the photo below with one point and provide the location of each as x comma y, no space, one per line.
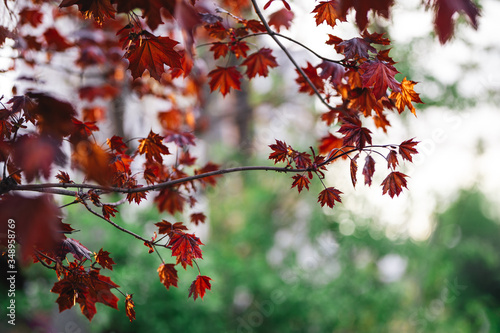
186,247
392,159
355,134
368,170
328,197
406,149
300,181
394,183
104,260
379,75
152,53
281,18
258,63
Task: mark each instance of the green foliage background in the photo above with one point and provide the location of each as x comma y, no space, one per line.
451,283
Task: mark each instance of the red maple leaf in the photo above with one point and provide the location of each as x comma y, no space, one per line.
151,9
312,73
116,143
355,48
258,63
380,7
379,75
300,181
329,12
354,169
63,177
35,155
199,286
152,53
219,50
328,197
185,247
197,218
32,17
168,275
330,142
108,211
394,183
406,96
153,147
55,41
444,19
224,78
104,260
392,159
355,134
368,170
281,151
36,222
209,180
281,18
53,117
406,149
170,200
85,288
93,161
165,227
99,9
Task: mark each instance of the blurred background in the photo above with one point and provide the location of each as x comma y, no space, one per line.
426,261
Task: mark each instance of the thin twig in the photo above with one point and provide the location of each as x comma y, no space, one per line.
113,223
271,33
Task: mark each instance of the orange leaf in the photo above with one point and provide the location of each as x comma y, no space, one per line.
328,197
93,161
328,143
168,275
328,11
153,147
129,307
224,78
406,96
152,53
406,149
257,63
199,286
394,183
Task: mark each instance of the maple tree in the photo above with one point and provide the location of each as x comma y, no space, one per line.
150,48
